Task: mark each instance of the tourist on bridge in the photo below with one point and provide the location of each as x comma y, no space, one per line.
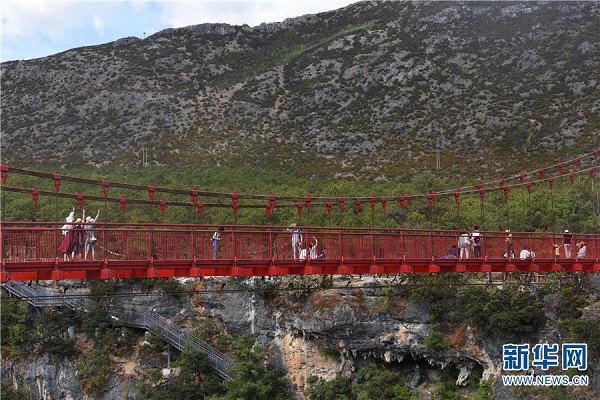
525,254
90,238
464,242
312,250
476,241
567,244
510,250
215,242
301,250
70,218
67,230
78,240
296,238
581,250
452,253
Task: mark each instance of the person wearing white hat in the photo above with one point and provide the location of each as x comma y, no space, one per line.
70,218
67,230
567,239
90,239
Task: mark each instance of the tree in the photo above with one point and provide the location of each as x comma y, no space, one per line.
51,336
14,322
196,380
570,305
584,330
7,392
471,300
255,375
385,386
94,370
339,388
511,312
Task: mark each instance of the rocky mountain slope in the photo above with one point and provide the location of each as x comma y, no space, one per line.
372,90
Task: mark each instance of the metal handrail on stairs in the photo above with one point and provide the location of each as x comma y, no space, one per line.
173,334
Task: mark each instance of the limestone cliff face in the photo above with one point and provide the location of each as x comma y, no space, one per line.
43,378
338,330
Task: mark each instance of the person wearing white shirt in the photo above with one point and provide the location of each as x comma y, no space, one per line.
68,226
312,249
525,254
302,251
582,250
296,238
90,238
464,242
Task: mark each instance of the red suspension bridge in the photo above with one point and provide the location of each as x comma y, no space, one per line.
32,251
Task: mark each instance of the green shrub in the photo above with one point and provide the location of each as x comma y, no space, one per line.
94,370
7,392
51,333
14,322
484,391
445,392
584,330
103,287
156,338
439,290
339,388
156,375
385,386
330,353
95,320
436,341
512,312
166,285
301,286
196,380
471,300
570,304
255,375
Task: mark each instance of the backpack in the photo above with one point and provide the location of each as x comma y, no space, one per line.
477,239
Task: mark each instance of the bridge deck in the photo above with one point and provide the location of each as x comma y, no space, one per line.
30,251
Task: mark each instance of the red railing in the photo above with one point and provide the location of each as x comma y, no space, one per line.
30,251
